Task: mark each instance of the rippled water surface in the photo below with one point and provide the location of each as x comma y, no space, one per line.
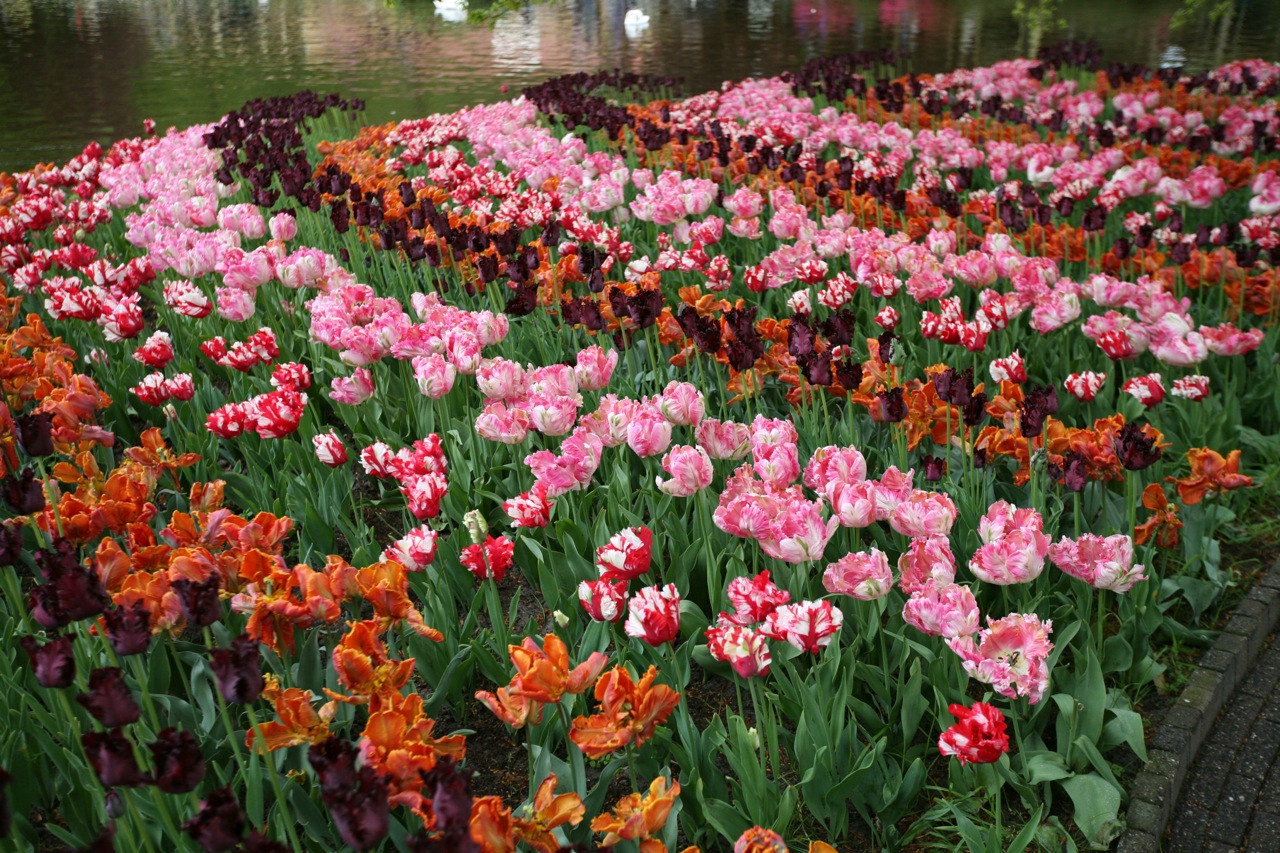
74,71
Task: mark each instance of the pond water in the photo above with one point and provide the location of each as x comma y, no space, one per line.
75,70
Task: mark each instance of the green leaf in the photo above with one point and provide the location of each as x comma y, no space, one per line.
725,818
1097,808
1046,767
1023,838
1125,727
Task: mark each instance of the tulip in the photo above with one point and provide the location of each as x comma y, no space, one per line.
653,615
220,822
54,662
109,699
979,737
178,761
110,754
129,628
238,670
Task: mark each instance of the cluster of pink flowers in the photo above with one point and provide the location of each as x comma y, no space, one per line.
1014,545
1101,562
769,508
624,558
421,472
520,399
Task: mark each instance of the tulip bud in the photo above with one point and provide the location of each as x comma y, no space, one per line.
477,527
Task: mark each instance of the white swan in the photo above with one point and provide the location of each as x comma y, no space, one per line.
635,22
451,10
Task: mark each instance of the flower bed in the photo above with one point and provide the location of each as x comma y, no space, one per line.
575,404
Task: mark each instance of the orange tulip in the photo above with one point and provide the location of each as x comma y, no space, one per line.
1163,525
513,709
491,825
385,585
297,721
361,663
543,674
638,818
548,812
1210,473
629,712
397,742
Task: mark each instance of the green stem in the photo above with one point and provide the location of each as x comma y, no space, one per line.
139,823
274,775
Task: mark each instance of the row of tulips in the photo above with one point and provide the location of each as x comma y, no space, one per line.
596,409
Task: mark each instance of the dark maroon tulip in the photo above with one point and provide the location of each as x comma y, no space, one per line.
848,372
70,595
1040,402
257,843
129,628
451,802
973,412
114,805
893,407
24,493
109,699
334,761
6,816
954,386
361,813
63,556
800,336
219,823
238,670
1135,449
11,544
200,603
817,368
1076,472
888,342
935,468
54,662
35,433
111,756
178,762
707,336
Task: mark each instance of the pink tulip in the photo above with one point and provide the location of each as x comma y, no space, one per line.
1011,655
864,576
1103,563
594,367
926,559
924,514
690,469
942,609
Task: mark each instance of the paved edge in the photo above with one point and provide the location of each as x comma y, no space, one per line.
1177,740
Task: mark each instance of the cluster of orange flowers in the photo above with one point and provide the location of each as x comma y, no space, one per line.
36,367
629,711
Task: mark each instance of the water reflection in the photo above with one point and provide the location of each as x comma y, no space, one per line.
72,70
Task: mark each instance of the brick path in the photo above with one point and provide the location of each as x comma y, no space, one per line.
1231,797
